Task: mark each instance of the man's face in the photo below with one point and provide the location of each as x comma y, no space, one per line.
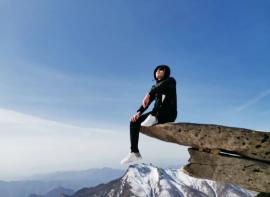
160,73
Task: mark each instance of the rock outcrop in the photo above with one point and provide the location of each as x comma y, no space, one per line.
227,154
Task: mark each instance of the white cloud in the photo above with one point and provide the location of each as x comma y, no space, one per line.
253,101
30,145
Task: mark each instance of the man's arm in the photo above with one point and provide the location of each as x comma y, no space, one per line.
160,87
142,109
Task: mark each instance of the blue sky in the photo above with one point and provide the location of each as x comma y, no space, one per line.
90,63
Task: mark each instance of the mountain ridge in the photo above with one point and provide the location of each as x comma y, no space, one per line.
147,180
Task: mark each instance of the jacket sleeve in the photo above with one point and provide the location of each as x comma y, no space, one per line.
163,85
142,109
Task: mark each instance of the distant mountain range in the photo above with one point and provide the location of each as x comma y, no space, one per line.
57,192
69,181
142,180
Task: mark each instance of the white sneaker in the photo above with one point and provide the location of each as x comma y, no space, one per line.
149,121
131,158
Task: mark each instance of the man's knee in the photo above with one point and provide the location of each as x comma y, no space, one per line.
134,124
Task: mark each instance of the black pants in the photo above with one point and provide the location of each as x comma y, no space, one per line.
135,128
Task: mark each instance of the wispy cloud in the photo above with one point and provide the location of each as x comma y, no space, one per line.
13,122
253,101
30,144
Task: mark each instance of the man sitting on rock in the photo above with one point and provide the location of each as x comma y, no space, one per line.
165,109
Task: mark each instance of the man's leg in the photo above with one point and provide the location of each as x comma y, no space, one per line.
163,118
134,132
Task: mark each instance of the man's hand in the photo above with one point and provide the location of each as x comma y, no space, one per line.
146,100
135,117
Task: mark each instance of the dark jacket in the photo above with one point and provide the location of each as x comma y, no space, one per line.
165,110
